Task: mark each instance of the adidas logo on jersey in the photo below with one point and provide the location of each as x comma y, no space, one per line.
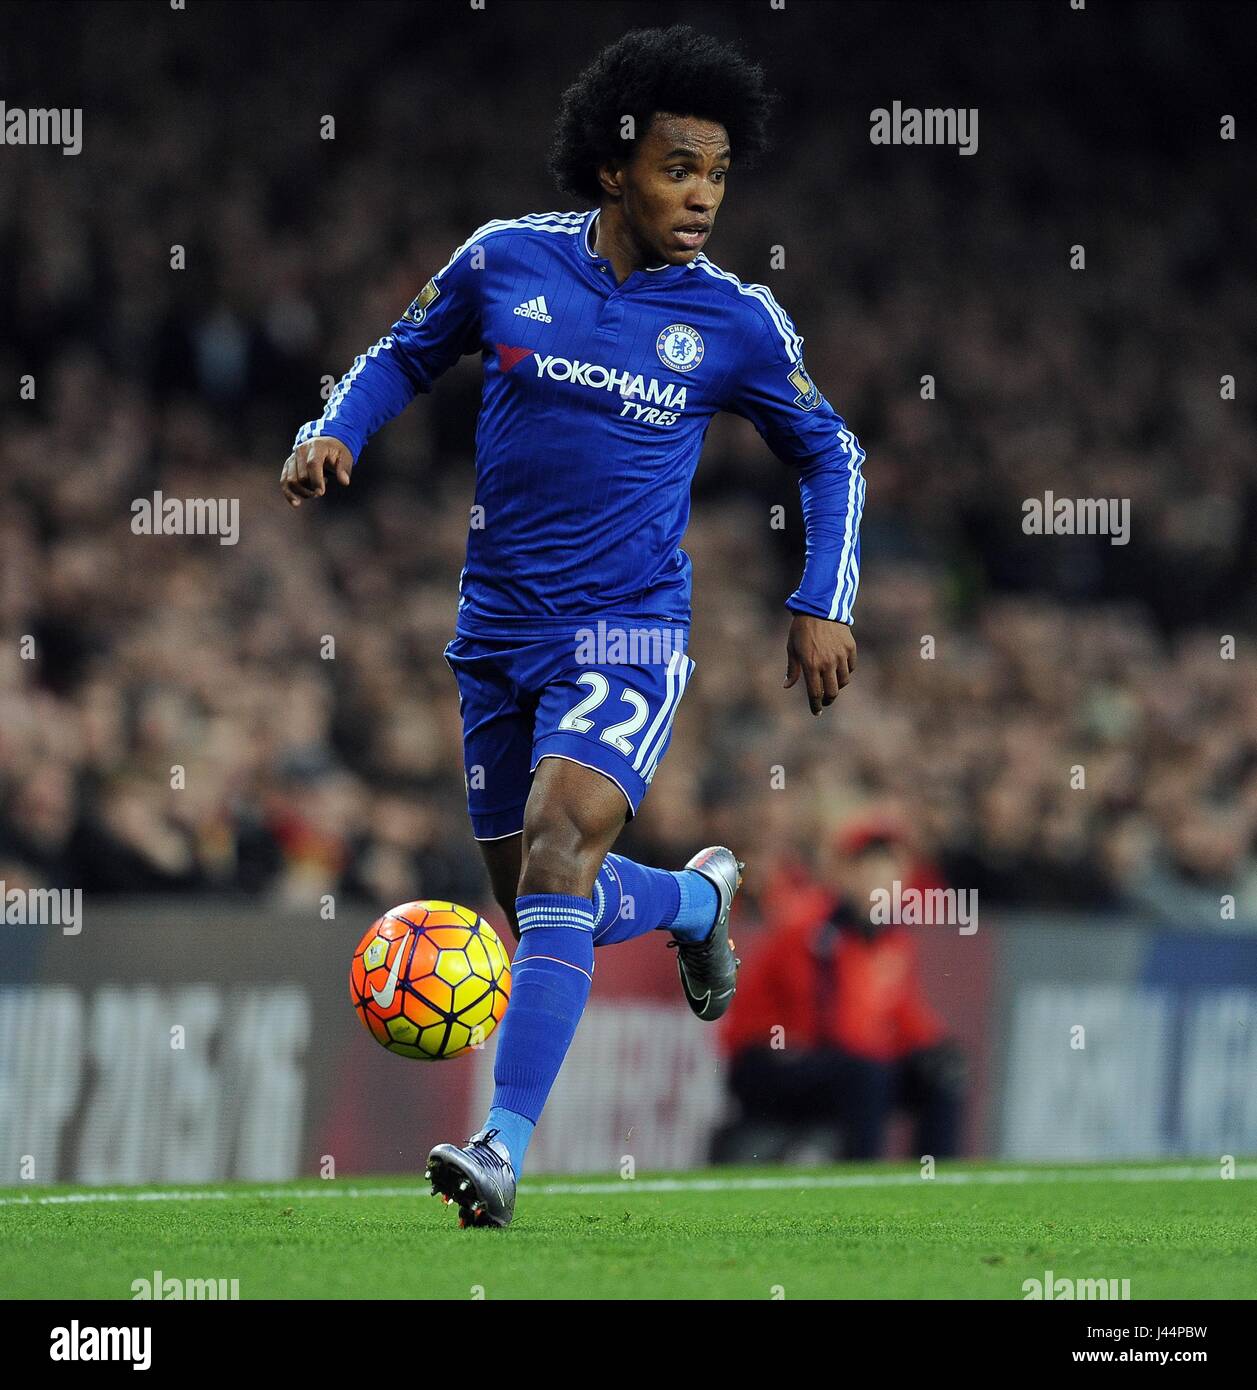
535,309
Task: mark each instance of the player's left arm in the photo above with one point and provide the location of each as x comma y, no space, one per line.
774,392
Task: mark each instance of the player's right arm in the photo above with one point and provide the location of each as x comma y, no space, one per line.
440,326
305,470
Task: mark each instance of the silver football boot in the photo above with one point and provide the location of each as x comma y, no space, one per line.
477,1176
709,969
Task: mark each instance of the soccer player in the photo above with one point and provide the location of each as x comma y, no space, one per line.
608,341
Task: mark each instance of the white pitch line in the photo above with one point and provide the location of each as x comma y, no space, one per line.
791,1182
840,1180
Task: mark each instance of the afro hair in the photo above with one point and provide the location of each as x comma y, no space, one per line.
677,70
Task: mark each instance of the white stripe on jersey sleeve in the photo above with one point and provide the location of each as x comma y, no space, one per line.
341,389
567,223
848,577
762,295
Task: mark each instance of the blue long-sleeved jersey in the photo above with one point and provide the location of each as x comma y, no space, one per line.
597,398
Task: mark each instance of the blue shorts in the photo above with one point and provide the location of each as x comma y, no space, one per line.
604,696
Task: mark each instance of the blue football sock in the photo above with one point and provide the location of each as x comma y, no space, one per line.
700,905
631,899
550,979
514,1131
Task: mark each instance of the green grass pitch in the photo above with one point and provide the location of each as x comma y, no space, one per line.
974,1231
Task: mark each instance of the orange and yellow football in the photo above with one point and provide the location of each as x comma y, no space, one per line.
430,980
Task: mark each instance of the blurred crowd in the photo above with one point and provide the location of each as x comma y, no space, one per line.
1059,720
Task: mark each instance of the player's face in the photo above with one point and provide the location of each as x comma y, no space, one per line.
672,187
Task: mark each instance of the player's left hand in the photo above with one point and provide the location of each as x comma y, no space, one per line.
824,653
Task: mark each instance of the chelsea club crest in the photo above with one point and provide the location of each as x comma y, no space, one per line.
680,347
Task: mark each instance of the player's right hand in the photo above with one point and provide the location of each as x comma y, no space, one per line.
304,469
